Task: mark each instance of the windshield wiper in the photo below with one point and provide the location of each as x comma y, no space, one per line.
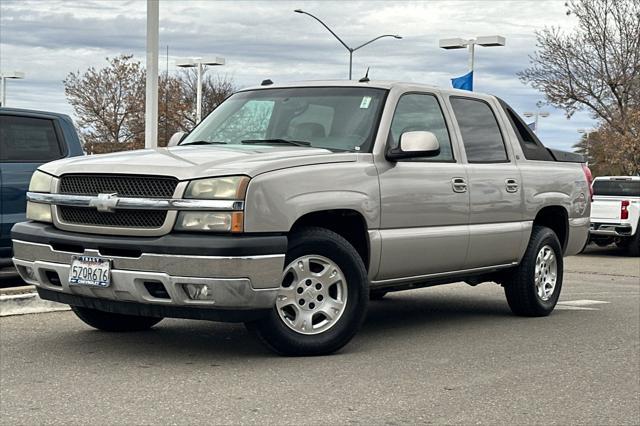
275,141
204,143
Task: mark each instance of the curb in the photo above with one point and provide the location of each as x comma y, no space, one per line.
25,300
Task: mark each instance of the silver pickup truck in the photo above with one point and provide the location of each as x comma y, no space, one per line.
290,206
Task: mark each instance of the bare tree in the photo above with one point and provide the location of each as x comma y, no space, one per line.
596,67
108,102
215,89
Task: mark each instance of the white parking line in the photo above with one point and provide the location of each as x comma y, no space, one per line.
579,305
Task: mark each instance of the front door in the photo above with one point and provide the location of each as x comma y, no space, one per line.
424,201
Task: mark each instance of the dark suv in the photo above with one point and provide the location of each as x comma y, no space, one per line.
27,140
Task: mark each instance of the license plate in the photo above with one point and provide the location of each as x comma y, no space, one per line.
90,271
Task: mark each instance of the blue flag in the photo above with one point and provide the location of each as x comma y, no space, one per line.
465,82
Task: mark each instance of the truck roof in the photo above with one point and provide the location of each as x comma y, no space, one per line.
377,84
33,112
617,178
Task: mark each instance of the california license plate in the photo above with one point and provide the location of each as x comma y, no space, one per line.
90,271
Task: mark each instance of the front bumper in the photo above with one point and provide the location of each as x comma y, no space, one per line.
242,272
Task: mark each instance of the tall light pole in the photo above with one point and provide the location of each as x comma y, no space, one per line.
151,95
587,143
537,115
199,64
14,75
469,44
350,49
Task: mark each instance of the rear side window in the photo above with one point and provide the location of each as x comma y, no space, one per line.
531,145
617,187
421,112
26,139
481,135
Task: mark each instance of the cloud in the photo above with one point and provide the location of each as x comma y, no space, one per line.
266,39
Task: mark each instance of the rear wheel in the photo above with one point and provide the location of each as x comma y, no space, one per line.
108,321
322,299
633,248
534,287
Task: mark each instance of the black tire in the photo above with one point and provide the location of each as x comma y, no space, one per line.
107,321
520,289
277,336
377,295
623,243
633,248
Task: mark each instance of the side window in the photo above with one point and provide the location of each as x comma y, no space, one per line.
417,112
531,146
28,140
481,135
251,121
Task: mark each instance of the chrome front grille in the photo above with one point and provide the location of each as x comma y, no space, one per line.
123,185
144,219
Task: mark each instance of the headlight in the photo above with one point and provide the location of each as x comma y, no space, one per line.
40,182
210,221
39,212
222,188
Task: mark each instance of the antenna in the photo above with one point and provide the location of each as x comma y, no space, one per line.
365,79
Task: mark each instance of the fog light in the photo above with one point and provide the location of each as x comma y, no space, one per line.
29,272
198,291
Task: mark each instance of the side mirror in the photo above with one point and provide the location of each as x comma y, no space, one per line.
176,138
415,144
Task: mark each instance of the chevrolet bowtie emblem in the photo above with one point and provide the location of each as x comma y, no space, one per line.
105,203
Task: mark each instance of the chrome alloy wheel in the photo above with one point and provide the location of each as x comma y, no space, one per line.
313,295
546,273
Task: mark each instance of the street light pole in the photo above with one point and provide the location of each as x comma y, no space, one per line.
151,102
537,115
470,44
587,142
15,75
199,94
199,64
349,49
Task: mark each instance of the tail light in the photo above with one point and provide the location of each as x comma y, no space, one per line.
589,177
624,209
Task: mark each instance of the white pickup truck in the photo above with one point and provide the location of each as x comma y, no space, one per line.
615,212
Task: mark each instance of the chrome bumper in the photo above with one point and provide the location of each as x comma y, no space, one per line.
610,230
236,282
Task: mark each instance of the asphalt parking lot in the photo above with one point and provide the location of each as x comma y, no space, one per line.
451,354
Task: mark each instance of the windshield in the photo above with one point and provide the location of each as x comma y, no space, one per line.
617,187
335,118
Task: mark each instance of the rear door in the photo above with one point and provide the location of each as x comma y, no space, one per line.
496,202
27,142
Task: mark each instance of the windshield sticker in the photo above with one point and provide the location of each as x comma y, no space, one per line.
366,100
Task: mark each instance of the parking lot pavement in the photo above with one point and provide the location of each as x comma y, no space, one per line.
451,354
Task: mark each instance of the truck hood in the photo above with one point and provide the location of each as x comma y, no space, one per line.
189,162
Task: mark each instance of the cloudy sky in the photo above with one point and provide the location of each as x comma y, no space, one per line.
47,39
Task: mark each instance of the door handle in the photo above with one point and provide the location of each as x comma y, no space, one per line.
459,185
511,185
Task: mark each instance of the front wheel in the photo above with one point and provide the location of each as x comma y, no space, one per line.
534,286
107,321
323,296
